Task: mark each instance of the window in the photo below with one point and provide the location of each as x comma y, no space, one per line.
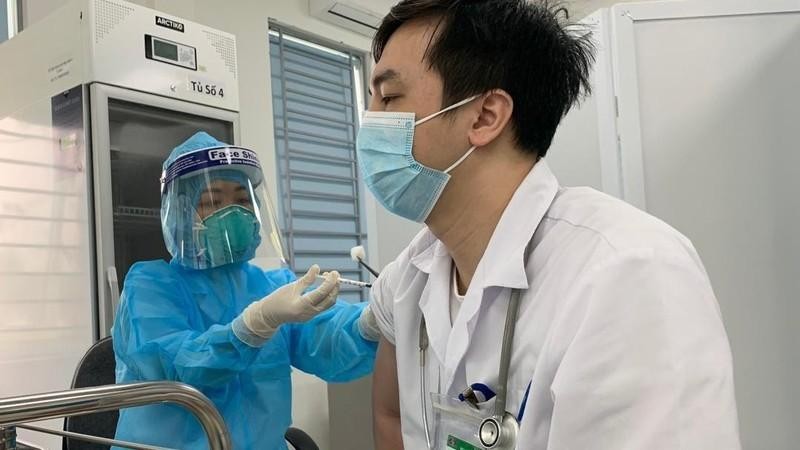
316,95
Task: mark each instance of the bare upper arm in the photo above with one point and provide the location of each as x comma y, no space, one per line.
386,400
385,393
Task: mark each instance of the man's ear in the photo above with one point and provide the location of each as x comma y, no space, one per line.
494,115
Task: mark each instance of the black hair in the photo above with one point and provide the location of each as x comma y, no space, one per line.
527,48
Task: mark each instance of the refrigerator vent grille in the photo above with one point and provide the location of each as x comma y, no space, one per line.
225,47
109,15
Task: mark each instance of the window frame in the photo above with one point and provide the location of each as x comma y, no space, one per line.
358,85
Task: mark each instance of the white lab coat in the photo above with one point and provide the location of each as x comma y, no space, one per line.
618,332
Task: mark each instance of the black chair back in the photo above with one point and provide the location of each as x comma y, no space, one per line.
95,369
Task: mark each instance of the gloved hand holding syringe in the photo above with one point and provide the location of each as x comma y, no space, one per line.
367,323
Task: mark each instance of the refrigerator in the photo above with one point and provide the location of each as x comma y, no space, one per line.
693,118
92,100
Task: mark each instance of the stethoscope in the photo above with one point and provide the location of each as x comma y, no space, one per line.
499,431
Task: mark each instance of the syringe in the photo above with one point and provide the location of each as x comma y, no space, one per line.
360,284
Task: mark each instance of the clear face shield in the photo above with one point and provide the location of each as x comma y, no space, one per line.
215,210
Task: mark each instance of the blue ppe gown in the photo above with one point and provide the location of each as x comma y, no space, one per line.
178,324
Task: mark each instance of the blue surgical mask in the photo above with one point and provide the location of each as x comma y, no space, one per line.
399,182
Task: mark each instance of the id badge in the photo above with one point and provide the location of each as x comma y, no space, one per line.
456,424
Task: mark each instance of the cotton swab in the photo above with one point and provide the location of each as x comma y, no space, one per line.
358,254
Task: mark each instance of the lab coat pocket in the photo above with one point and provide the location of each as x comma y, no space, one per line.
456,423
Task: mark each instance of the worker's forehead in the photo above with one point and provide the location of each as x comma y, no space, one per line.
224,186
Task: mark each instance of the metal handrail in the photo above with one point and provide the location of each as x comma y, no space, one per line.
75,402
91,439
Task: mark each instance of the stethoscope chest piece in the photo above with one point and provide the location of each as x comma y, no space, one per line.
500,435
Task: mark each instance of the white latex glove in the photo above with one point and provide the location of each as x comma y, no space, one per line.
289,305
368,325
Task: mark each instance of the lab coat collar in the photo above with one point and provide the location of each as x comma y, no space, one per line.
433,259
430,250
434,303
503,261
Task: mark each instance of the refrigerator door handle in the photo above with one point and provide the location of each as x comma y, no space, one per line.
113,285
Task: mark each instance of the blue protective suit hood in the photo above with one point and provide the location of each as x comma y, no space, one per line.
179,202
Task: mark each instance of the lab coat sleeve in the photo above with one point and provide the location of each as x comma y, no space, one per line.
153,335
645,361
330,345
382,301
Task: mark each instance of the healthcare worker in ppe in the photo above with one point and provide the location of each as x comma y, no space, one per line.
524,315
213,320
